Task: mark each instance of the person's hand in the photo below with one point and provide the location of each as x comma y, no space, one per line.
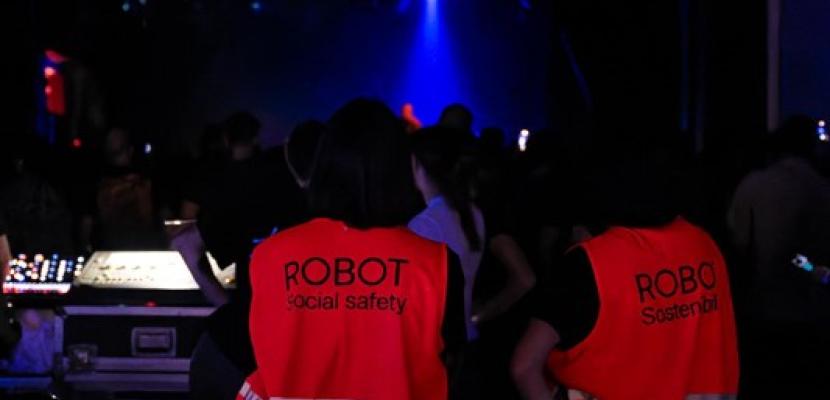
189,243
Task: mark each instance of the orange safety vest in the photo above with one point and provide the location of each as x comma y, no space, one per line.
665,329
344,313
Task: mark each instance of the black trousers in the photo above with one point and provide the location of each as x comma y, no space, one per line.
212,375
784,360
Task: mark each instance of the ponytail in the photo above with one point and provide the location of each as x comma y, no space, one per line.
439,150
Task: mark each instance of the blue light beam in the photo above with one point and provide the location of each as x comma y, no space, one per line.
431,82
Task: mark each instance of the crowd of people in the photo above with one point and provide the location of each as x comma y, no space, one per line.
379,259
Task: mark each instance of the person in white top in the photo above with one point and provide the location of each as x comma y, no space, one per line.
450,216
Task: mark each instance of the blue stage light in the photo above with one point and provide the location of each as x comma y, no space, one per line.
432,81
403,6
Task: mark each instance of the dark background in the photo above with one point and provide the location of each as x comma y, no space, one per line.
805,58
165,69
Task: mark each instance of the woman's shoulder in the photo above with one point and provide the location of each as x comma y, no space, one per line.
427,225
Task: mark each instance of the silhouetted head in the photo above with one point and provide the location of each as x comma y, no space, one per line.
795,137
438,170
491,139
637,178
241,133
26,153
211,144
363,173
118,148
457,116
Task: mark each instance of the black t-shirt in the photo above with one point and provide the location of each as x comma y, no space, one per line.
125,207
202,175
492,275
568,299
242,203
454,329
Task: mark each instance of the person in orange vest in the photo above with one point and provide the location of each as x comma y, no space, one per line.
642,310
353,305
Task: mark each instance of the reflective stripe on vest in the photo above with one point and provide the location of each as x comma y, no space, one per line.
247,393
300,398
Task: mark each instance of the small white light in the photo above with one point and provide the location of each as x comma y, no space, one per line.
823,137
821,123
126,6
524,134
148,148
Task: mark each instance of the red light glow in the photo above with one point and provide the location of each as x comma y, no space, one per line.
55,57
408,115
55,96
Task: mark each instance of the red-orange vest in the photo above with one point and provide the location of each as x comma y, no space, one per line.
343,313
666,327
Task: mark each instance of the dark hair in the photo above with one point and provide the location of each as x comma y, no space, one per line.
363,175
241,127
636,178
302,145
796,136
491,139
211,147
457,116
439,150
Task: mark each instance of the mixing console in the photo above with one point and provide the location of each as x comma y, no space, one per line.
39,274
152,270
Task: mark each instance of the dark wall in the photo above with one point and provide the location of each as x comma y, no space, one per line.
167,68
732,97
805,58
629,57
16,69
734,40
289,63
